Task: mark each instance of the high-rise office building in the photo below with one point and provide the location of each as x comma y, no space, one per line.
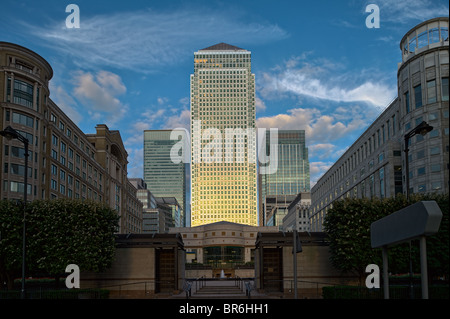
280,188
223,139
163,176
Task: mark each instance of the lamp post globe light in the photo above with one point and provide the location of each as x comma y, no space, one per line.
422,129
10,134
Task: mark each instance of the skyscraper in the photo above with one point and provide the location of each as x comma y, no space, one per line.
223,139
292,176
164,177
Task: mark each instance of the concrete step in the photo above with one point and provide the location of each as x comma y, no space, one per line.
217,292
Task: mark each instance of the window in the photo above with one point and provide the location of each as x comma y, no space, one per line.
433,35
420,154
19,187
55,140
421,171
435,168
23,119
431,91
436,186
444,89
418,96
407,102
62,175
23,93
422,188
382,192
435,150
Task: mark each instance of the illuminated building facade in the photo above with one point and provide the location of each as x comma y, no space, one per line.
223,168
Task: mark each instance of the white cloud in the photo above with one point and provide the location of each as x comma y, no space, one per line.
259,104
409,12
136,160
321,150
322,79
98,93
317,169
146,40
66,103
181,120
317,126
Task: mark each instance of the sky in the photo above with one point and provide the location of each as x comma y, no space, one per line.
318,66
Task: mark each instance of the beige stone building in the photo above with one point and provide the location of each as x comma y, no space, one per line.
63,161
220,245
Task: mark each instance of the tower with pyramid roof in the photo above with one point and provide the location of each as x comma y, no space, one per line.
223,98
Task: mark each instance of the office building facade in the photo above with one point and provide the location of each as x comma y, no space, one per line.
164,176
223,137
375,165
63,161
292,176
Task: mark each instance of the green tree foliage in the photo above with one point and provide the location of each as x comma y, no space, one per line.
348,227
58,233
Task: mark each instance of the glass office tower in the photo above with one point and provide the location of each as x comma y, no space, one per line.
223,170
292,176
164,177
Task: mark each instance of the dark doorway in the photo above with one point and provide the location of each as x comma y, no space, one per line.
165,270
272,269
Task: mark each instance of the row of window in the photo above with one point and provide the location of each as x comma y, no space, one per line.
431,95
425,38
22,93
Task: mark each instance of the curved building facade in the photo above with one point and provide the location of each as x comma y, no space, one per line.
375,165
63,162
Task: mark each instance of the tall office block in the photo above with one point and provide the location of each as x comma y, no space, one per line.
223,169
164,177
279,189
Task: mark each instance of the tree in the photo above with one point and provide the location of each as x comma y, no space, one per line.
60,232
348,227
11,223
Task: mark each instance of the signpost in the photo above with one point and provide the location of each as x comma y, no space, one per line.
413,222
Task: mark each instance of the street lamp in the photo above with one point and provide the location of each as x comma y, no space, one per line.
10,134
422,129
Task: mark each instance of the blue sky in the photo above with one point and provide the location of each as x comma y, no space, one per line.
317,66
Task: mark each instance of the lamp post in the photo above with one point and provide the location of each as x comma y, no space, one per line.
422,129
10,134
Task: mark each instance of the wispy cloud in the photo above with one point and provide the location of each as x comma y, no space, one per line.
319,79
147,40
409,12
